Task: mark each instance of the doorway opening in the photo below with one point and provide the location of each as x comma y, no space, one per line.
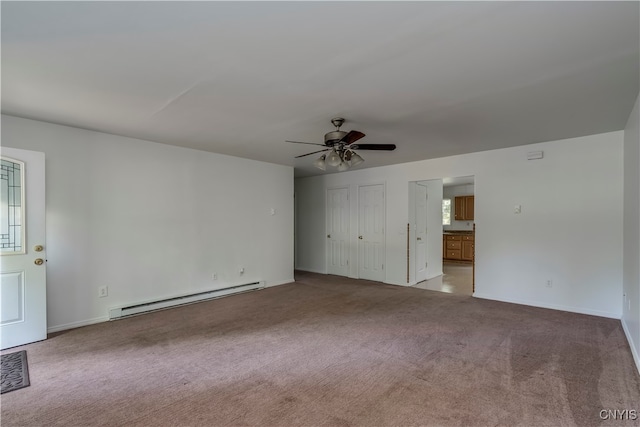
450,234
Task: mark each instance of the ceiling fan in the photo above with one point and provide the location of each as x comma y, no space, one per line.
342,145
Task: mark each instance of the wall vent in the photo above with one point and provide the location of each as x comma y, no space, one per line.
146,307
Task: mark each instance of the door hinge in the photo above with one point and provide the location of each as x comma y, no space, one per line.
383,266
347,262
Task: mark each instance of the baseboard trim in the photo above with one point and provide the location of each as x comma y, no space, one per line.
79,324
634,352
279,282
311,270
550,306
406,285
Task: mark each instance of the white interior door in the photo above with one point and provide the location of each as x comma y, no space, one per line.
23,298
371,241
421,232
338,231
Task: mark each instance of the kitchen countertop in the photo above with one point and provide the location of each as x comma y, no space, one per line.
457,232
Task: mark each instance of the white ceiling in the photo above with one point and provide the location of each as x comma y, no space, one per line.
239,78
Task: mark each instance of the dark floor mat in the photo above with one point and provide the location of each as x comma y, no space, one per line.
14,371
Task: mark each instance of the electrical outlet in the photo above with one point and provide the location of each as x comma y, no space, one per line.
241,270
103,291
549,283
214,276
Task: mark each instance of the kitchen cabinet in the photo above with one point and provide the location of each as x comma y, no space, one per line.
452,247
458,247
469,206
467,248
464,207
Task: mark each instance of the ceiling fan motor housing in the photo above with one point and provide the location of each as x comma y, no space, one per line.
333,137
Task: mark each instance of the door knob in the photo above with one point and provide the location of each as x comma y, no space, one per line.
360,237
38,261
328,236
38,248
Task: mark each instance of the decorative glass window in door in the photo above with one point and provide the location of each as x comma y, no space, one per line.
11,206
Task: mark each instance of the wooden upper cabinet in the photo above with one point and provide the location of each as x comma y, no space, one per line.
469,206
464,208
458,213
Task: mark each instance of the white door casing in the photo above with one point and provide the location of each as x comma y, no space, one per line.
421,232
23,299
338,231
371,238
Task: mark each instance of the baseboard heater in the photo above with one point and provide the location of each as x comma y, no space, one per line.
146,307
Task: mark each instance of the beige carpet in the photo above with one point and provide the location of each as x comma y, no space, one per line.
330,351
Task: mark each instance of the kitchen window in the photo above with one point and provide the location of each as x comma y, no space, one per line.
446,211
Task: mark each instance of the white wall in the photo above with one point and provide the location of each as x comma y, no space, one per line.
631,287
151,220
450,193
569,231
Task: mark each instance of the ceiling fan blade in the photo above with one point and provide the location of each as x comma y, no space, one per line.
352,137
386,147
309,143
319,151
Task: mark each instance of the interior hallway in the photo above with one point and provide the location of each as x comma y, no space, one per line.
456,279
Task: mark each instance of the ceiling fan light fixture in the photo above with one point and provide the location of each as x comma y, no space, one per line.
320,163
340,145
343,166
333,159
356,159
